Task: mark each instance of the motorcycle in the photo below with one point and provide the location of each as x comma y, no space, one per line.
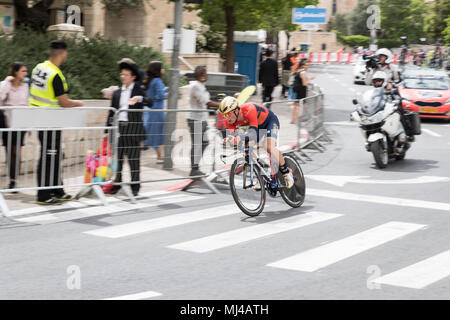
381,124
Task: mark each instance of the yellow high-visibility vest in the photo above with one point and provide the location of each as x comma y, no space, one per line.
41,90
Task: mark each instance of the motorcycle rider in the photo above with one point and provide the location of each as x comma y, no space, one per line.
380,81
385,57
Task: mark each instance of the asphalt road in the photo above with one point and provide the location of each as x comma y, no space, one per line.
362,233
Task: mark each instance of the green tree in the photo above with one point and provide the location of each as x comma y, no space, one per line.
446,33
403,18
239,15
339,23
436,20
357,18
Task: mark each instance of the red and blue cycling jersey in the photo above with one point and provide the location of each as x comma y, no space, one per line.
259,119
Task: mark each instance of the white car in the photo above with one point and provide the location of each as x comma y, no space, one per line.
359,71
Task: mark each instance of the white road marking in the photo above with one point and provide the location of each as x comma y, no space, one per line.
431,133
342,123
137,296
341,181
378,199
320,257
133,228
421,274
234,237
77,203
101,210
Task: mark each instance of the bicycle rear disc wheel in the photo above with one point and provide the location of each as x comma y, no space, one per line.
294,196
249,198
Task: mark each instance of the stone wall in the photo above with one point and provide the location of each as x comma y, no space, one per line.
94,18
342,6
317,39
144,27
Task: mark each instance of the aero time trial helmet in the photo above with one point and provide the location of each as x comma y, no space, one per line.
228,104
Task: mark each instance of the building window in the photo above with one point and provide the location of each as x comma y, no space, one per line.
324,46
334,7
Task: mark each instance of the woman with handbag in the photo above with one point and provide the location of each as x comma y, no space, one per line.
13,92
299,87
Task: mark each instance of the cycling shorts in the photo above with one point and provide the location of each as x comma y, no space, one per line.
269,128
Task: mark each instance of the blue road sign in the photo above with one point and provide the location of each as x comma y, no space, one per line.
309,15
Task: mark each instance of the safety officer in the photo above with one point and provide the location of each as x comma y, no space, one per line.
49,89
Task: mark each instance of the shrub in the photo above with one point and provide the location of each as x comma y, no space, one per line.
351,41
91,64
389,43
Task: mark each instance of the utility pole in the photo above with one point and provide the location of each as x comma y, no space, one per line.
374,22
174,81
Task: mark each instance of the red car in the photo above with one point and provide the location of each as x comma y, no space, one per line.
427,93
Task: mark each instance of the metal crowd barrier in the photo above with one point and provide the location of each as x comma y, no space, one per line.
132,158
137,143
57,143
310,128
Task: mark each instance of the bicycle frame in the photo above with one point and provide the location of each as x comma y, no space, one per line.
272,181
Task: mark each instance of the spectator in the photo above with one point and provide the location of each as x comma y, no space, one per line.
299,88
287,65
107,92
154,122
268,76
141,73
49,89
130,96
13,92
197,121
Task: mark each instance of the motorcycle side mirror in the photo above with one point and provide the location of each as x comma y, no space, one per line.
355,102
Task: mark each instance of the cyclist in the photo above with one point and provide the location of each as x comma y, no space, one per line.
258,118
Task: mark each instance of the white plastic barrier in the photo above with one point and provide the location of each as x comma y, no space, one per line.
340,57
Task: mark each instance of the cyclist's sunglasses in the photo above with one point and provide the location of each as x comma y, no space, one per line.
228,115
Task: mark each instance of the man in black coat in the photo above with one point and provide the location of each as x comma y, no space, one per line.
130,96
268,76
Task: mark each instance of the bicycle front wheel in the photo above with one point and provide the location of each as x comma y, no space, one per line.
294,196
247,188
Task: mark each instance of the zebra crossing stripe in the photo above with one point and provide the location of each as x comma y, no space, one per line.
421,274
320,257
137,296
101,210
77,204
173,220
378,199
234,237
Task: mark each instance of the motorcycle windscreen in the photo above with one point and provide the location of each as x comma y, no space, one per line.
373,101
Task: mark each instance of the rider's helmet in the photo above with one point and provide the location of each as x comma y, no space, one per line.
379,78
228,104
387,53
